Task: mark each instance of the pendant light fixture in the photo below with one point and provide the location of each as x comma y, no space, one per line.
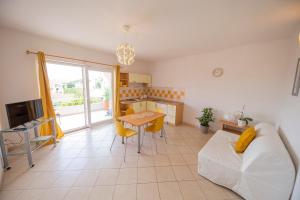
125,51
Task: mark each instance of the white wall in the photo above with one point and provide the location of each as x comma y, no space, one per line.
18,80
289,121
253,75
258,75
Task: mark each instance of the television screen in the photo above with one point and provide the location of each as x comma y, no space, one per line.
22,112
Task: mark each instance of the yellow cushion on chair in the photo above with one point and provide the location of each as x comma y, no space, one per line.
129,132
245,139
150,128
122,131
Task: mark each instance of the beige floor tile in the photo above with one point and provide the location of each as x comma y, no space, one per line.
111,162
93,164
169,191
146,175
194,170
77,164
107,177
86,178
165,174
161,160
20,181
125,192
148,191
176,160
190,159
183,173
102,193
172,149
81,193
34,194
58,193
45,179
131,161
185,150
212,191
191,190
10,194
67,179
145,161
127,176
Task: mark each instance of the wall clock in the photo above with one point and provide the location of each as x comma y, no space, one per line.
218,72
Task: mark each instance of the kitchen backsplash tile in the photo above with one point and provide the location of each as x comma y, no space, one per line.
171,94
132,92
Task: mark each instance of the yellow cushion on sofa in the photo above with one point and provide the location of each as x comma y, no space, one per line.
245,139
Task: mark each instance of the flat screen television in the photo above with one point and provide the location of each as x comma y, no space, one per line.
21,112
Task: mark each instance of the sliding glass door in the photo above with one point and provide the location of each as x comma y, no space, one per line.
81,95
100,93
67,92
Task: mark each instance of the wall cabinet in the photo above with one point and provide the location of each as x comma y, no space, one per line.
139,78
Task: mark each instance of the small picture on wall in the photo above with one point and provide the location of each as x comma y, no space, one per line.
296,86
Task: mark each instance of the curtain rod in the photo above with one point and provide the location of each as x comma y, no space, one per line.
69,58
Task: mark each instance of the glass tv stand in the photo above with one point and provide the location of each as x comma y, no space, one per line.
26,148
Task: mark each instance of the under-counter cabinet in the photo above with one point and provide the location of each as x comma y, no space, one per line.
173,111
140,106
151,106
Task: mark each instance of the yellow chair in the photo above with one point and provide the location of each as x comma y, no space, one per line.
159,110
124,133
156,110
129,111
158,125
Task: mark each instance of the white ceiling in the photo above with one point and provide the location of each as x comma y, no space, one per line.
162,29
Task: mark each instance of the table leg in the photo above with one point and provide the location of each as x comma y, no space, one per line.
122,137
139,139
36,132
28,148
53,132
4,155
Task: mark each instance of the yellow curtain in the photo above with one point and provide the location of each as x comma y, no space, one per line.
46,97
117,91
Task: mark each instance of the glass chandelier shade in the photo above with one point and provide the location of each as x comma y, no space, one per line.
125,54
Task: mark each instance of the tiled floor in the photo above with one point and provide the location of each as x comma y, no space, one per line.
81,167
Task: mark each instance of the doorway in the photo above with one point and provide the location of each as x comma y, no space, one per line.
81,95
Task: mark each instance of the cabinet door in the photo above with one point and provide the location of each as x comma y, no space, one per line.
151,106
139,78
171,110
163,107
147,79
171,119
143,106
136,107
133,78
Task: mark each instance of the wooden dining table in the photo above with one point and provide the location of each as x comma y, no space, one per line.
140,119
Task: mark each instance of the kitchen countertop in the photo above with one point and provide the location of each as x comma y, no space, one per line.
130,101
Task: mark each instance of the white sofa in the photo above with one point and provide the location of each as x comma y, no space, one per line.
263,172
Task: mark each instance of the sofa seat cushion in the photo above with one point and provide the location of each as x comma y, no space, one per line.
218,161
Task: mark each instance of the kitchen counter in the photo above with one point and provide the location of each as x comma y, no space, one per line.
172,109
130,101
